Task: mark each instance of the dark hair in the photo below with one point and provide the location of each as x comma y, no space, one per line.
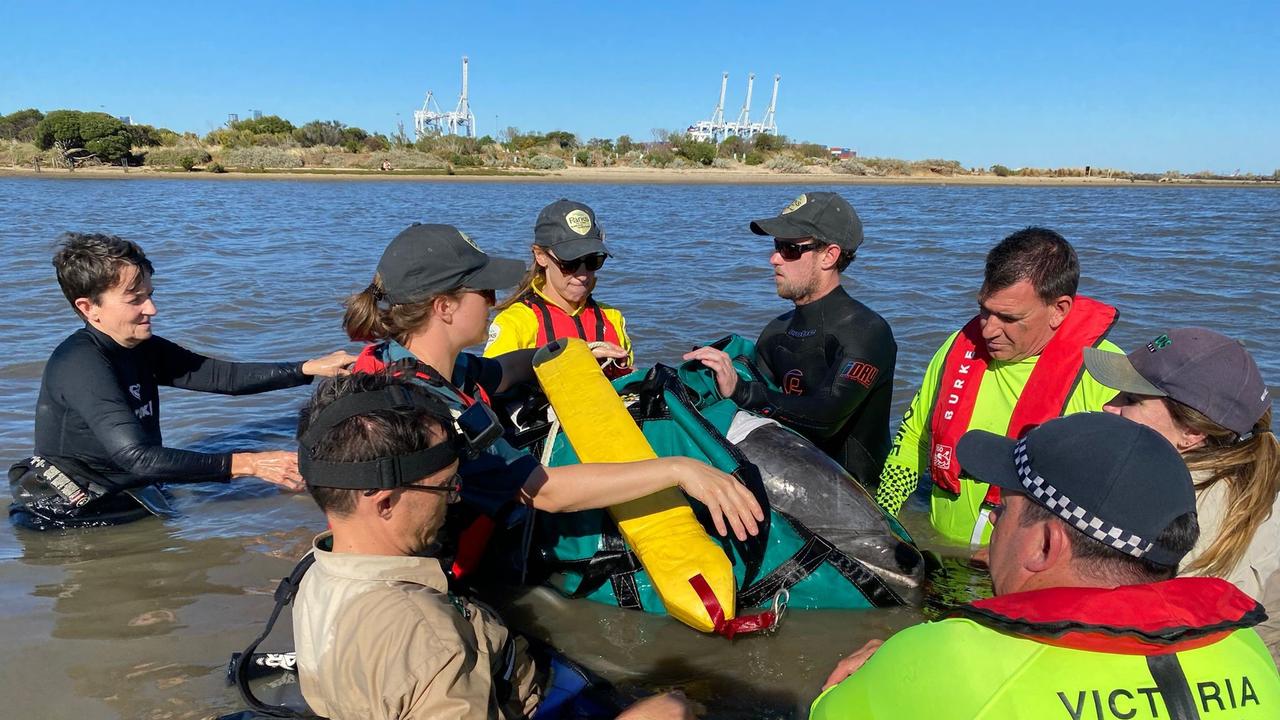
846,259
1035,254
1104,561
380,433
369,317
89,264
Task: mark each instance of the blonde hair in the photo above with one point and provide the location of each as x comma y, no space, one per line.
1251,469
535,271
369,318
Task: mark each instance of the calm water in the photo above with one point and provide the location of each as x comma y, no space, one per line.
138,621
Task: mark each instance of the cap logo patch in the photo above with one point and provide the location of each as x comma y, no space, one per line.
470,242
1161,342
796,204
578,221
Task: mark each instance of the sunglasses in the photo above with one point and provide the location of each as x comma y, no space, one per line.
792,251
490,296
449,488
592,262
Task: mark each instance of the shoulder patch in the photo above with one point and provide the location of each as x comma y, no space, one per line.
861,372
494,331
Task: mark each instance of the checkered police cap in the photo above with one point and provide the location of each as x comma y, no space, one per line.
1118,482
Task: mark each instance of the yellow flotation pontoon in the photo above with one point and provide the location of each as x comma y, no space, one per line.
690,571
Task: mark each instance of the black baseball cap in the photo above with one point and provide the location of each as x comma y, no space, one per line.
426,260
1116,481
822,216
569,230
1204,370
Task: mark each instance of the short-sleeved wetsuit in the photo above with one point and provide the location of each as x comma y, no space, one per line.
833,360
99,405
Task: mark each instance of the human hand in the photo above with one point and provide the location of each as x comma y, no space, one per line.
667,706
720,364
331,365
602,350
849,665
277,467
726,498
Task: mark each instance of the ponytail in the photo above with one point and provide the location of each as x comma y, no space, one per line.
1251,469
525,287
369,318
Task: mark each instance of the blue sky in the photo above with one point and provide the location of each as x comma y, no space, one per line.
1137,85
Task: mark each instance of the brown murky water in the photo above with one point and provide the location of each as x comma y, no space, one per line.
138,621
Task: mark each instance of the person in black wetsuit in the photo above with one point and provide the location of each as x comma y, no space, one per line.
832,357
98,450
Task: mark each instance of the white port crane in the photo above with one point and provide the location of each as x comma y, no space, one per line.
712,130
716,129
459,121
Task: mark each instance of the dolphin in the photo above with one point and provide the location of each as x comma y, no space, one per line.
805,483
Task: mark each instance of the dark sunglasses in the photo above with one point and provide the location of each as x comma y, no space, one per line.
490,296
792,251
593,262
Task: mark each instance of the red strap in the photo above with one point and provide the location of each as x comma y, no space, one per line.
766,620
471,546
1044,397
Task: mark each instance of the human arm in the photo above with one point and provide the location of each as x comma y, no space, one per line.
909,454
600,485
667,706
179,367
88,413
823,408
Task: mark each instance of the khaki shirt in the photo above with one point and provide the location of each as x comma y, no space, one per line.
381,637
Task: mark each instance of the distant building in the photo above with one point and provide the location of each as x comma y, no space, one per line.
843,153
126,119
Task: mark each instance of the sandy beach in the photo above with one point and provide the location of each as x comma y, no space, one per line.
616,175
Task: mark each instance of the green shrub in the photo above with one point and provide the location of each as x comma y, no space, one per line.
721,163
811,150
185,157
96,132
851,167
262,157
786,164
701,153
20,125
764,142
754,158
405,160
582,157
660,157
543,161
215,168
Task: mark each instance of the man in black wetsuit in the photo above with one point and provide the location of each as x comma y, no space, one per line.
98,450
832,357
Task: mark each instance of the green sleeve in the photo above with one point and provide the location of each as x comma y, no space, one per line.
1090,395
909,455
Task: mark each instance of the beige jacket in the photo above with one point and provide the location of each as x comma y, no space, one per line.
1258,572
381,637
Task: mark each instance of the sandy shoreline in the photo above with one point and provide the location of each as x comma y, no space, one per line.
620,175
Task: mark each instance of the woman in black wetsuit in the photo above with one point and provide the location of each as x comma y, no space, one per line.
98,449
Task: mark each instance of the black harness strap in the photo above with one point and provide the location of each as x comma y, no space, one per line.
877,592
285,592
1172,681
547,325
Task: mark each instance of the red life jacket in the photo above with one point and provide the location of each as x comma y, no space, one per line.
1151,619
1045,396
474,539
590,324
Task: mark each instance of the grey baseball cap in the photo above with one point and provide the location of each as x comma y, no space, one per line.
426,260
823,216
1116,481
1199,368
569,230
